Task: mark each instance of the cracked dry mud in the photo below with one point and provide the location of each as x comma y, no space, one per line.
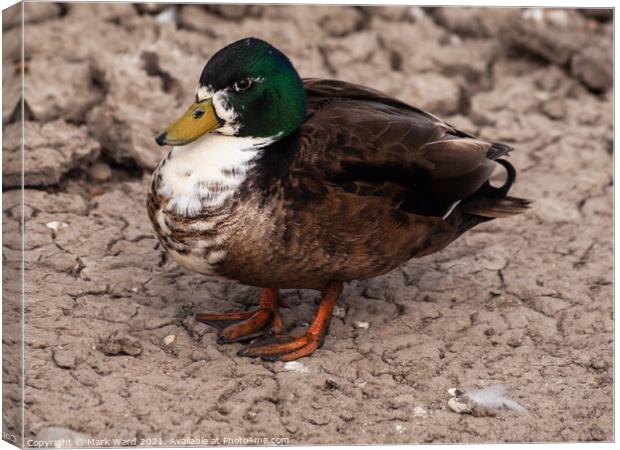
111,346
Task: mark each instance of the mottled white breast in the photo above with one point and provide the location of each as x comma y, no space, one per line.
206,172
196,179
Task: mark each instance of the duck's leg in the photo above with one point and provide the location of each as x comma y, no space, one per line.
285,348
244,325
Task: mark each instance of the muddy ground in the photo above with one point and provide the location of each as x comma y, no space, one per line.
111,347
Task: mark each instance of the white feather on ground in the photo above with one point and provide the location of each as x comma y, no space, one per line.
483,402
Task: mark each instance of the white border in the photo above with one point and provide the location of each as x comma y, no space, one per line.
523,3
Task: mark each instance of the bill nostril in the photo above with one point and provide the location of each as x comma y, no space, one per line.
161,139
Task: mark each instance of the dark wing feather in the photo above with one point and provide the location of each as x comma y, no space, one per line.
367,143
328,90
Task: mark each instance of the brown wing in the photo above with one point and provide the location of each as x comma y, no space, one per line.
362,186
370,144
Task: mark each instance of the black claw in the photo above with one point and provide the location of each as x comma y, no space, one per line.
243,351
221,340
270,358
219,325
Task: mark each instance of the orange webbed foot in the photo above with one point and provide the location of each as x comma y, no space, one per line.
287,348
281,348
245,325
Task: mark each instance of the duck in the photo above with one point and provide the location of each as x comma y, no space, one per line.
279,182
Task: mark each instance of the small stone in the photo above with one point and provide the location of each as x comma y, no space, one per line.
344,20
167,15
64,359
347,415
598,364
554,108
121,345
291,428
169,339
420,411
56,225
100,172
365,347
550,306
514,342
458,406
296,366
339,312
417,12
558,17
594,67
361,325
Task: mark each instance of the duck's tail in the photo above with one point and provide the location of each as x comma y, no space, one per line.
491,202
494,202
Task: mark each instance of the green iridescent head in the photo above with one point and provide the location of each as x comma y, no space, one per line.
249,88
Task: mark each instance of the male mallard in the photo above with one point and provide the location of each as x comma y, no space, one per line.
279,182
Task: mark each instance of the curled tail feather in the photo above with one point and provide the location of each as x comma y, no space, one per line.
493,202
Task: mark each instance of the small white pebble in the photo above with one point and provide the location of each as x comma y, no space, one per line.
399,428
417,13
358,325
134,289
339,312
169,339
100,172
558,17
56,225
534,14
455,39
458,406
420,411
296,366
167,15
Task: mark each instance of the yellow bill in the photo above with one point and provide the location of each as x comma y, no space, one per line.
199,119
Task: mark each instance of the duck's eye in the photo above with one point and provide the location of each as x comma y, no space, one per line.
198,114
243,85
